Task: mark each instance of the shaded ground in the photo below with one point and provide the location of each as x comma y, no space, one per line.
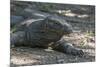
28,56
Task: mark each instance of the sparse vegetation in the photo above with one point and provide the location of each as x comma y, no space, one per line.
13,29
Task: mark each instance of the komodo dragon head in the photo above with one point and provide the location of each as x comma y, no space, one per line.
58,25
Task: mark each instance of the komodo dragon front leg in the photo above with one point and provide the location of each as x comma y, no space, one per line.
67,48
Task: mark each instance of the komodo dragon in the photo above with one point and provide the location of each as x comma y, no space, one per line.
42,32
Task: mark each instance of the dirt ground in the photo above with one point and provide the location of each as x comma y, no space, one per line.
25,56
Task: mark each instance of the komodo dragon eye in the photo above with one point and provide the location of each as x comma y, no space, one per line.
53,22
